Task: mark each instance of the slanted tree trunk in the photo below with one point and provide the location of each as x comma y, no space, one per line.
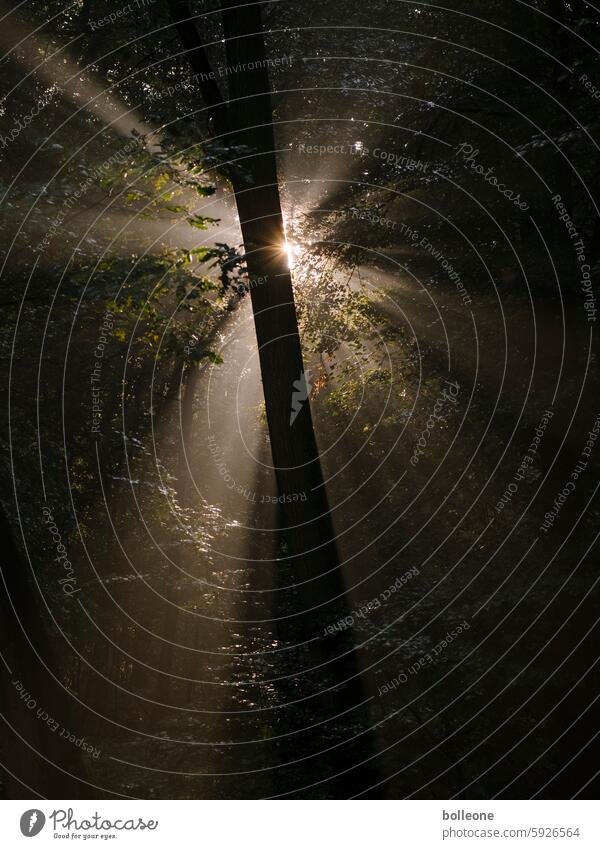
293,443
247,123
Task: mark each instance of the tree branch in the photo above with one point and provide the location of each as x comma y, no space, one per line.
196,54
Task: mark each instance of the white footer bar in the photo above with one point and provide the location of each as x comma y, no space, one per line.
301,824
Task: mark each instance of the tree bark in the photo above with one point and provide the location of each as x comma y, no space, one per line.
247,124
293,445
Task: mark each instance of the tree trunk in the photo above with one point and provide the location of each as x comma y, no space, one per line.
246,126
293,445
247,123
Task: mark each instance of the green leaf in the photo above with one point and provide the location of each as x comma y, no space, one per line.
199,222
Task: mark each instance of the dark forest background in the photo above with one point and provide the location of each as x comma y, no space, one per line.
161,635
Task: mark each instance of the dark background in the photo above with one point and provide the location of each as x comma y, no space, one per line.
169,661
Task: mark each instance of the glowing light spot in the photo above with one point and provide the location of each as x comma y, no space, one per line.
292,252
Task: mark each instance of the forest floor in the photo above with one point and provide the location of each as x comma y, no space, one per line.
248,713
